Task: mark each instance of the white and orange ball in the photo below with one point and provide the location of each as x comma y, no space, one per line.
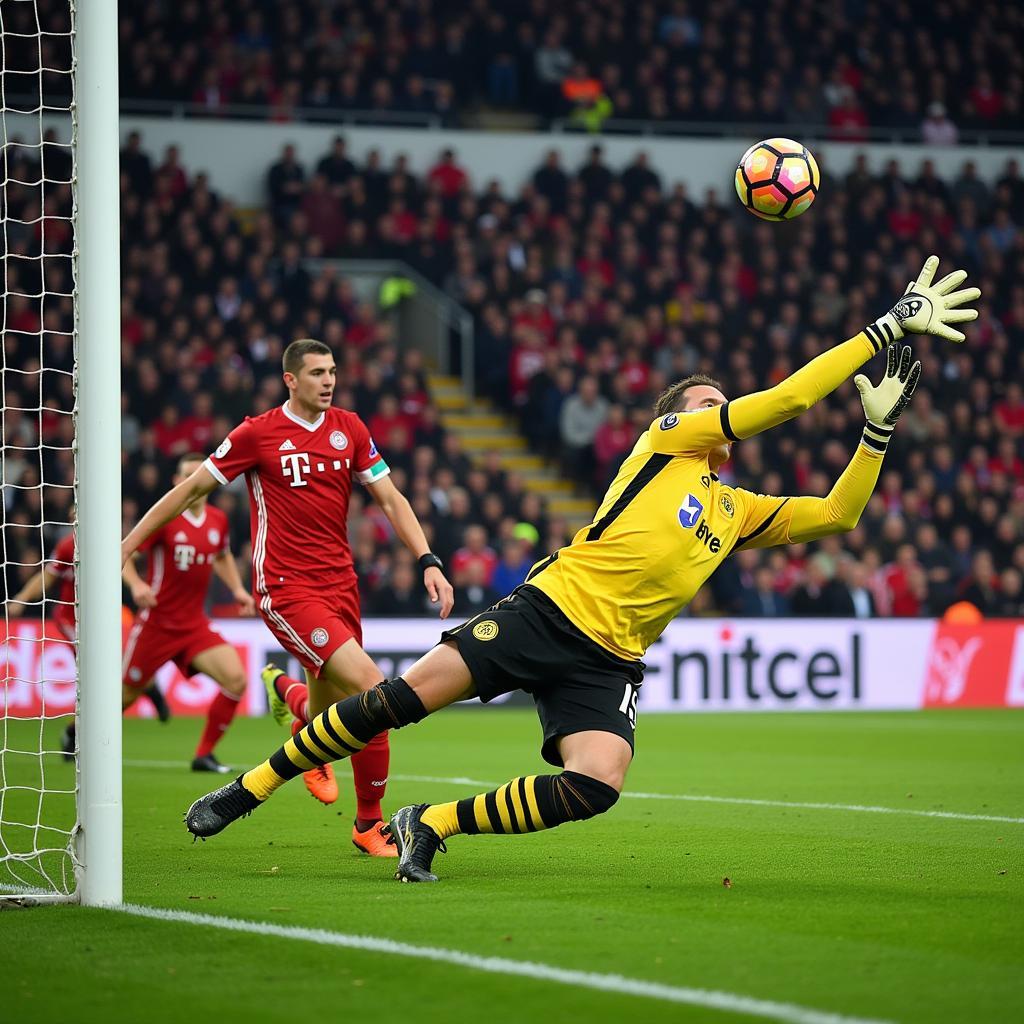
777,179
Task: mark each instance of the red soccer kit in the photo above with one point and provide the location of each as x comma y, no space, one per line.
62,564
181,556
299,476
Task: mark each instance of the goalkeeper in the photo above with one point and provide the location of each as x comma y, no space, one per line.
573,635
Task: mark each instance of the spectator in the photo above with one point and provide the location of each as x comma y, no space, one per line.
516,562
937,129
981,587
820,595
284,185
448,176
581,417
762,600
474,554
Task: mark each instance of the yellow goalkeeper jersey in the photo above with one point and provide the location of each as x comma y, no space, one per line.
667,521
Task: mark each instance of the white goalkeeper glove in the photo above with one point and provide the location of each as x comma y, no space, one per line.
884,403
927,309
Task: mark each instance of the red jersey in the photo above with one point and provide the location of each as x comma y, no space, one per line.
62,564
181,555
299,476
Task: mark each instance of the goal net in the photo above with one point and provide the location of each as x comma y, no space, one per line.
38,657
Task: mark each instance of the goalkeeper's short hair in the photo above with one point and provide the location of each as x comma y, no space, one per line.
671,399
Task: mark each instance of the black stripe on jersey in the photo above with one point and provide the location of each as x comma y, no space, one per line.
648,471
541,566
764,526
726,425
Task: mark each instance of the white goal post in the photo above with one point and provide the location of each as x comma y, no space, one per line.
59,73
98,433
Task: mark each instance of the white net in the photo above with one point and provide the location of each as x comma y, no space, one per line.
38,783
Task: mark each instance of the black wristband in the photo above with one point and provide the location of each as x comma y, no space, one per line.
431,561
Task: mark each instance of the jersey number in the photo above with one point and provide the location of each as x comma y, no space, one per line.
628,705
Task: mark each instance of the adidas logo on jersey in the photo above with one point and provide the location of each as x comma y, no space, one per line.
181,535
287,446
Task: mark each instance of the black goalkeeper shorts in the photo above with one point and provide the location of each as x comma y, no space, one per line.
525,642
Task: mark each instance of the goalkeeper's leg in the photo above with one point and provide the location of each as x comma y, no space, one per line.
595,770
438,679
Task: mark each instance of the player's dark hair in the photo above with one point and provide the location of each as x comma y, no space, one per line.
297,351
671,399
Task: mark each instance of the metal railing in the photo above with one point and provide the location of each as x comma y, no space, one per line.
180,110
764,129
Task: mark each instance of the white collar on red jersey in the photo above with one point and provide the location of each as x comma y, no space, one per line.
315,425
194,519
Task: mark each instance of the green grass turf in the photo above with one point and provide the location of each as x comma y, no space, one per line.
891,916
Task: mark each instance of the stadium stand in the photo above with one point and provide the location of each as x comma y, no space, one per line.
591,289
700,62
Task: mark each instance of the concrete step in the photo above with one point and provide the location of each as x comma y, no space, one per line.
449,403
522,462
473,421
572,507
488,442
549,486
443,380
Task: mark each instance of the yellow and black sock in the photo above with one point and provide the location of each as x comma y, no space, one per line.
339,732
528,804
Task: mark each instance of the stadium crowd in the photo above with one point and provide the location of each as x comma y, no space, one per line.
921,72
592,288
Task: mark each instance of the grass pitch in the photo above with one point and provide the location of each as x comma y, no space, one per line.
898,917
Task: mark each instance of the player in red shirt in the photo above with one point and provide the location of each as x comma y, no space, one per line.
172,625
299,461
57,577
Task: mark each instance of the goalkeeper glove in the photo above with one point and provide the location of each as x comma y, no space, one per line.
927,309
883,404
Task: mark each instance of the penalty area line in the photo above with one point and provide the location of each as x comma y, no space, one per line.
726,1002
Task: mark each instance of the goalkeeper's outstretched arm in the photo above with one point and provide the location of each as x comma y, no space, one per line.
926,309
768,521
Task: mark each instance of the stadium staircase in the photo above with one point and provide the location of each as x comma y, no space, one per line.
484,428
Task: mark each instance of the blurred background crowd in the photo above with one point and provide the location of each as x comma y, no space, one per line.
845,67
592,288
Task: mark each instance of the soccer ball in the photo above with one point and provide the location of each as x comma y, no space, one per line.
777,179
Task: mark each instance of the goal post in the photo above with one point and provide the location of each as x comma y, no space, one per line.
60,445
98,438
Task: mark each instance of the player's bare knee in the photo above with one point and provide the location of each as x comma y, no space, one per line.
234,684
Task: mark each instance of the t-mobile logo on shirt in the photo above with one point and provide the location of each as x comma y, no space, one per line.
184,556
294,465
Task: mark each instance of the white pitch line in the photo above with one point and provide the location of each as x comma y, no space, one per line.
727,1002
699,798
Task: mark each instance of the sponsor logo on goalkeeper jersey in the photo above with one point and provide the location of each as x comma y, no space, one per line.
689,512
727,505
669,421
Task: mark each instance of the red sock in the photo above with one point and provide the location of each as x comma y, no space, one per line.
370,775
295,695
218,717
